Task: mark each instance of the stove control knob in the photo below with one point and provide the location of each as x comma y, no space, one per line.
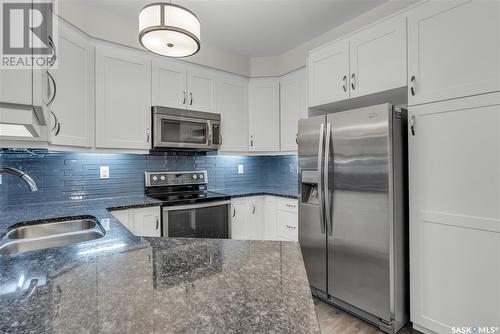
201,176
195,176
155,178
162,177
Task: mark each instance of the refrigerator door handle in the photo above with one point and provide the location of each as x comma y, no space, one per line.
326,182
320,178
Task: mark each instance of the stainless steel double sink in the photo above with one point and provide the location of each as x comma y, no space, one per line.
49,234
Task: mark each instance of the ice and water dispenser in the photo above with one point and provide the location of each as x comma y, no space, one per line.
309,185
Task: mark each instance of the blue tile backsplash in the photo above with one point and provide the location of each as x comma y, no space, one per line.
63,175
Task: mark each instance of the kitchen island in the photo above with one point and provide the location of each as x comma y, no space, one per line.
127,284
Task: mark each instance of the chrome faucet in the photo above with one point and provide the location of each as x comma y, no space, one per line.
23,176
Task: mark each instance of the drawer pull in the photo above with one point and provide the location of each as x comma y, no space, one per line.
291,227
291,205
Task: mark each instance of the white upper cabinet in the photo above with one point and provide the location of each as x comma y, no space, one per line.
378,57
263,105
16,86
73,104
328,69
370,61
200,90
293,95
169,84
176,85
453,50
123,98
232,105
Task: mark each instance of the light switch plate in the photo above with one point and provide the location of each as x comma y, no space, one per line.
104,172
240,169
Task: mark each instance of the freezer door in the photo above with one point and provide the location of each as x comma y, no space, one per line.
312,230
358,197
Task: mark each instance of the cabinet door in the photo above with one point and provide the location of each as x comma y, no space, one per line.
16,86
378,58
169,84
232,105
264,114
123,98
286,225
257,224
74,103
240,216
328,69
147,222
270,219
455,213
453,49
292,107
201,90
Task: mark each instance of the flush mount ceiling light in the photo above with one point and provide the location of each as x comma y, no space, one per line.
169,30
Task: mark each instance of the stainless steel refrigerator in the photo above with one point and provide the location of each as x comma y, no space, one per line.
353,226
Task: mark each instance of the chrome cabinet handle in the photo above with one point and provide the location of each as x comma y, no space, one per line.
353,81
190,98
53,81
234,212
148,137
412,125
157,223
291,205
251,141
253,205
56,121
58,129
412,85
291,227
183,97
54,52
344,83
297,138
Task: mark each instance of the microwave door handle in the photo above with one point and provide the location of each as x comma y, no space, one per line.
210,133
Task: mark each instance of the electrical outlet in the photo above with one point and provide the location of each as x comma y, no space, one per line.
104,172
240,169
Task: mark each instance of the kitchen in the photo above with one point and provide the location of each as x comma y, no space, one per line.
323,166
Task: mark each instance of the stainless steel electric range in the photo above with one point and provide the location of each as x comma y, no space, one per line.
189,210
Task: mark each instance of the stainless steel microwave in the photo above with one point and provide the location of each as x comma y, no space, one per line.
185,129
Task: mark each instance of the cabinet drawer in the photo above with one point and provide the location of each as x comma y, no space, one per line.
286,225
289,205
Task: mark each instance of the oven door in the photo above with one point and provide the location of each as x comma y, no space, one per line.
181,132
205,220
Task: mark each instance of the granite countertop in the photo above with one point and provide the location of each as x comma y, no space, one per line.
122,283
256,191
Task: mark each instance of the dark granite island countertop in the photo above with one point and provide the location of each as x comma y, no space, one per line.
127,284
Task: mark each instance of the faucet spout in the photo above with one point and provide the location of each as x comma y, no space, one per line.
23,176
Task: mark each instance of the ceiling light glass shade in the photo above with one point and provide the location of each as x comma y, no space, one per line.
169,30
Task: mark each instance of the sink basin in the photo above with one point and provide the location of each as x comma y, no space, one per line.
51,234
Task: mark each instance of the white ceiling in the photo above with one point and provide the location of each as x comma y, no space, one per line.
256,28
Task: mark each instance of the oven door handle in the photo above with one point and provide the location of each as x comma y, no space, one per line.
194,206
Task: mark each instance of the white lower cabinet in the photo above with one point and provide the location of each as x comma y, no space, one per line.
144,222
455,214
264,218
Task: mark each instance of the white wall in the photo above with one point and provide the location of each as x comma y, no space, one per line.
109,26
296,58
